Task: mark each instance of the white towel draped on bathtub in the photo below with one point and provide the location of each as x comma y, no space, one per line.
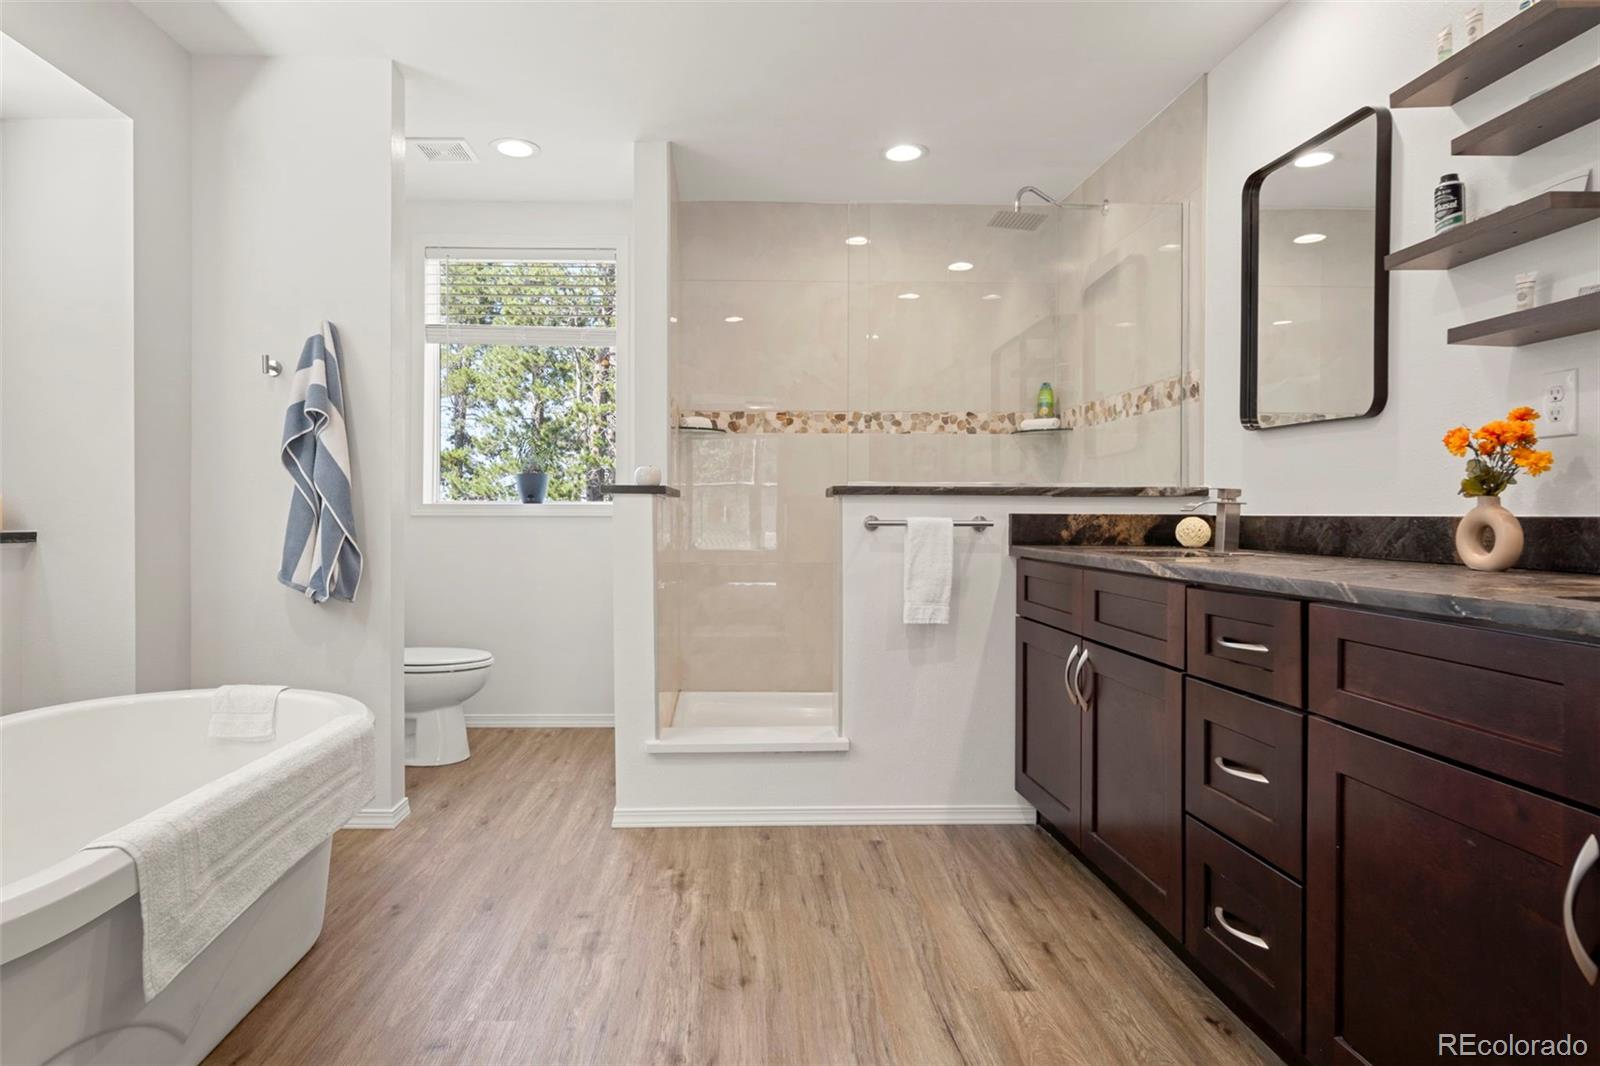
204,858
244,712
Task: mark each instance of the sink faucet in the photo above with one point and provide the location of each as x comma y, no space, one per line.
1225,536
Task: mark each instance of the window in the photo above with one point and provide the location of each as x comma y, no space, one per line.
522,371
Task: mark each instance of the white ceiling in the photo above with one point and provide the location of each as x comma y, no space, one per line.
32,88
764,101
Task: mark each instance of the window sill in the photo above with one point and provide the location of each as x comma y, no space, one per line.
583,509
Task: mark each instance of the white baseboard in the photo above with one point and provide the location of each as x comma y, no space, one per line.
539,721
975,814
380,817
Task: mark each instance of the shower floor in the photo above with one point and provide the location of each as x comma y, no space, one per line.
752,721
754,708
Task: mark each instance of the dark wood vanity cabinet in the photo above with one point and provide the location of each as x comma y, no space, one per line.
1133,778
1440,901
1049,726
1368,830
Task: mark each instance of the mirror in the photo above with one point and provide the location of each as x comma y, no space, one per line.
1316,297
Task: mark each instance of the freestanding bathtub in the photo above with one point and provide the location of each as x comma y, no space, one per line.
71,961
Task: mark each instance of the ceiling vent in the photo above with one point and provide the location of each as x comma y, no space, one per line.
444,149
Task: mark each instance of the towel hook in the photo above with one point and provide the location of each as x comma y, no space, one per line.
270,366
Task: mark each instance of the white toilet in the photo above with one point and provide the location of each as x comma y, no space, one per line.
438,682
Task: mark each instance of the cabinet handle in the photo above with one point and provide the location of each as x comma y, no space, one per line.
1243,645
1227,766
1066,675
1077,680
1588,855
1249,938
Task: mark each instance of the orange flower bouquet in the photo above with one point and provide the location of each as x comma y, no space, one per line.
1500,451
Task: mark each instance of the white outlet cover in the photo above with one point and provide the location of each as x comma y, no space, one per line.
1558,403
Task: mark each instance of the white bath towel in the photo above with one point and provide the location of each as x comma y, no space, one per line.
204,858
1034,425
930,544
245,712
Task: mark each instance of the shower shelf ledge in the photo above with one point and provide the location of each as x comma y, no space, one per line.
733,739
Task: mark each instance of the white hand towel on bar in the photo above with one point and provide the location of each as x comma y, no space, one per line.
930,544
245,712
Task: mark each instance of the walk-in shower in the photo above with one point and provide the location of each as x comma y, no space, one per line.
818,344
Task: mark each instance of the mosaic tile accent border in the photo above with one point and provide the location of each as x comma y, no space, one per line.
1157,396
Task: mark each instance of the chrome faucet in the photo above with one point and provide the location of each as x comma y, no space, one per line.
1225,534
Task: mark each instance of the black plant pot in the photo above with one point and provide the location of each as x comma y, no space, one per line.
531,486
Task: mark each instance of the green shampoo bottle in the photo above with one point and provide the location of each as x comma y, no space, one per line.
1046,407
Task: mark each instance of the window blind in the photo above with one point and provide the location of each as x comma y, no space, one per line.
564,297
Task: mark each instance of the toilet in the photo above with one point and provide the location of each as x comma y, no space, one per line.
438,682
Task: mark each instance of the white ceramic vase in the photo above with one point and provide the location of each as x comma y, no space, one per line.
1489,514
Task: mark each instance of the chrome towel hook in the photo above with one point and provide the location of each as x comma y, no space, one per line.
270,366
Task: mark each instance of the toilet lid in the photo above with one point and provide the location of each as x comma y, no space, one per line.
439,660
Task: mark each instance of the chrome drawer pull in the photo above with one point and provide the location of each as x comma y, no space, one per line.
1588,855
1240,770
1066,675
1242,645
1222,919
1077,679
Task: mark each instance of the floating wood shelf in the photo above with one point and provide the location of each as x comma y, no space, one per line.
1518,41
1581,314
1545,214
18,536
1571,104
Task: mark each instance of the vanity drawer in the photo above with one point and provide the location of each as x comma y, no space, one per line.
1244,764
1244,924
1142,615
1251,643
1050,593
1524,707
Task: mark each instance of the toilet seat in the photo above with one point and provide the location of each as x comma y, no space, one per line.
430,660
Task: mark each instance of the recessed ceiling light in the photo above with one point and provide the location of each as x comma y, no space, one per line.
1170,247
1313,159
1310,238
1124,325
857,241
959,265
515,147
904,153
1284,322
991,296
911,296
734,318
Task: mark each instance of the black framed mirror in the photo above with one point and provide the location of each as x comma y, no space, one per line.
1315,345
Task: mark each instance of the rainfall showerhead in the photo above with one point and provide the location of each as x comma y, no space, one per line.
1017,218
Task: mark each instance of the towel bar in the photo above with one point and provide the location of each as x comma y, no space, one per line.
872,521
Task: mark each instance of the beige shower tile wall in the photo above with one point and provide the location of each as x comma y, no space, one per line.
1163,165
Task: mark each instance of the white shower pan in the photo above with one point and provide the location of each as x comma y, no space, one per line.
752,721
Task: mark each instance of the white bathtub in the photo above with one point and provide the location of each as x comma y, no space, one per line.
70,933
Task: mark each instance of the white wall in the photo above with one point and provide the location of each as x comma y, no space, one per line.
534,589
1312,64
66,425
119,55
294,176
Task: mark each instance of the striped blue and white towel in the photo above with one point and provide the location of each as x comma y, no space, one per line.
320,555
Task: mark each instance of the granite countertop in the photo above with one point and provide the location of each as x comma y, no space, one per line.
992,488
1563,604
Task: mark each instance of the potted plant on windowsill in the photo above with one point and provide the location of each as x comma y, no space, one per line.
1500,450
532,482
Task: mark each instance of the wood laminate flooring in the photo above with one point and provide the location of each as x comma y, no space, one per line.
506,922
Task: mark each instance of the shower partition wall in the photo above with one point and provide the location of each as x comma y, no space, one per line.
815,344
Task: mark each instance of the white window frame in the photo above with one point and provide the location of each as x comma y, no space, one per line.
425,380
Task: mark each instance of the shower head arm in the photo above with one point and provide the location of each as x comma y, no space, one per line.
1016,205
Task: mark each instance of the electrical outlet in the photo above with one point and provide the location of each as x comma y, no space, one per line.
1558,403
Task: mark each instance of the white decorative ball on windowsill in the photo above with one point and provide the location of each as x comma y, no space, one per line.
647,475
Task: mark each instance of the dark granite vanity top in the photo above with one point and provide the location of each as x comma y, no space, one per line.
978,488
1562,604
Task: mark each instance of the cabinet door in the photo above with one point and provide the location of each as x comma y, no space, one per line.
1440,901
1049,726
1133,779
